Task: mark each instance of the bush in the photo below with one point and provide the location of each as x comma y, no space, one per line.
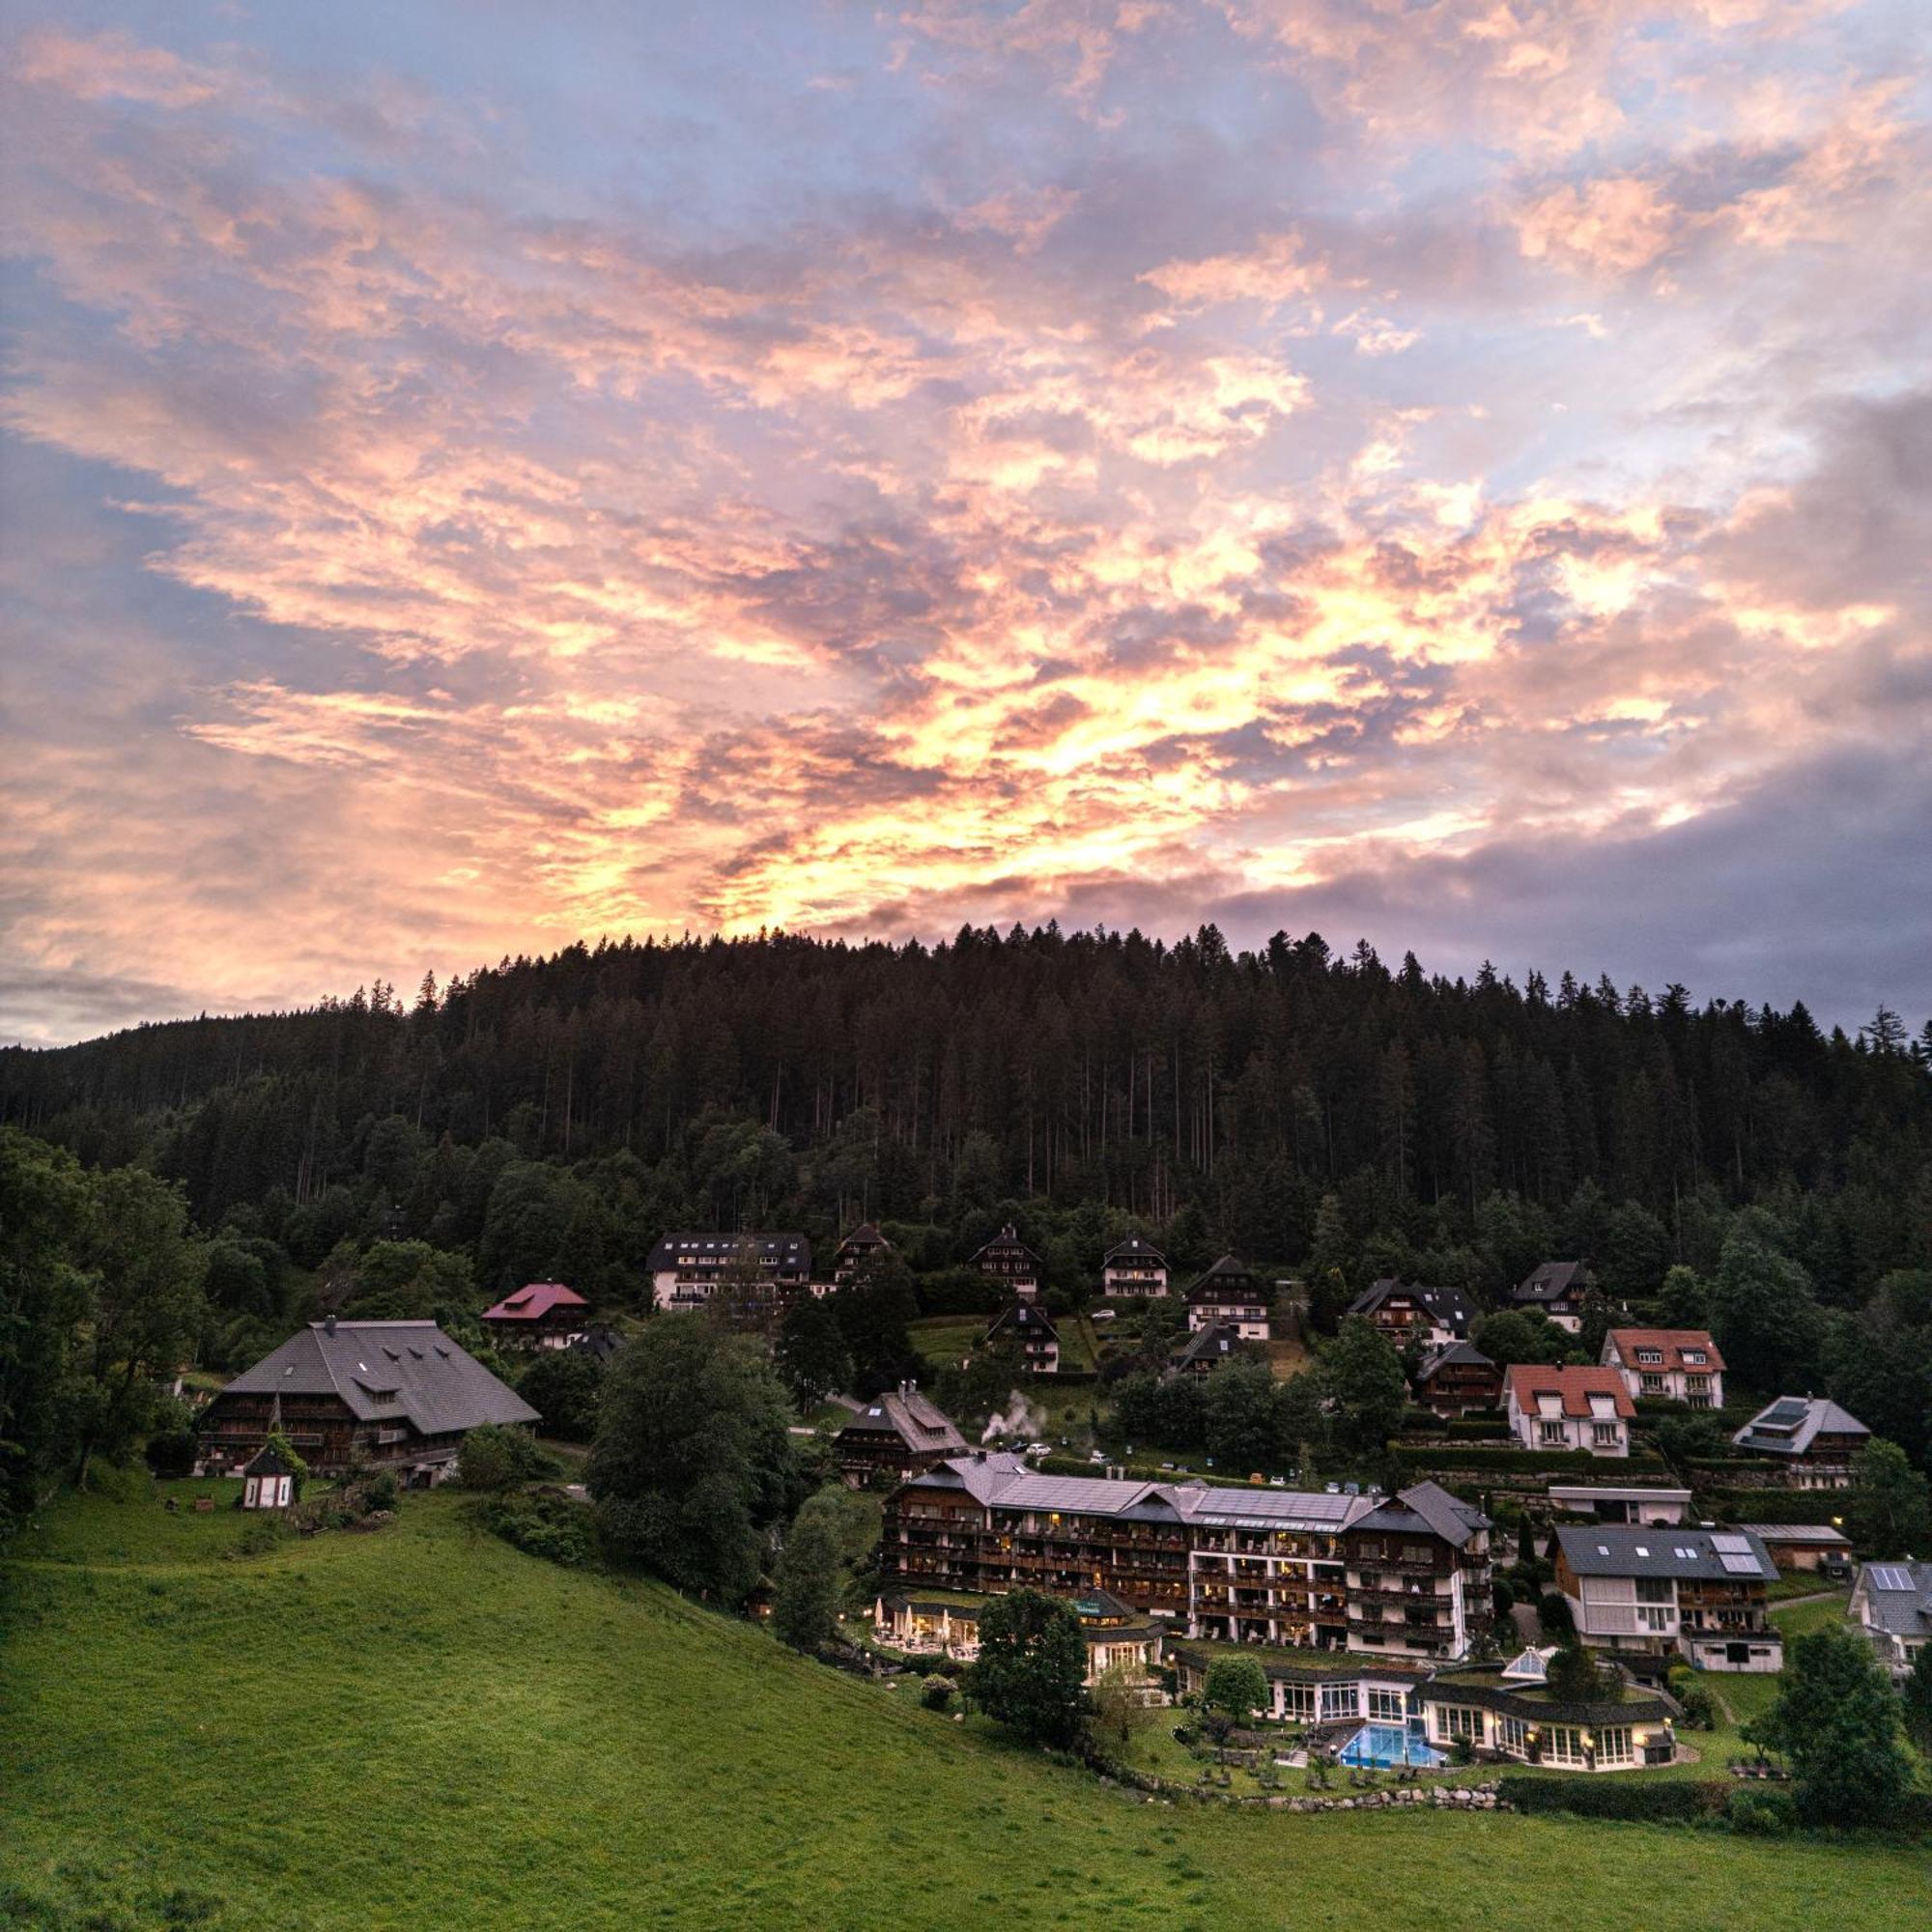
381,1492
1657,1802
550,1526
1503,1595
1760,1814
172,1452
494,1459
936,1692
1522,1462
1553,1615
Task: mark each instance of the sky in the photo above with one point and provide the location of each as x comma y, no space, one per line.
475,476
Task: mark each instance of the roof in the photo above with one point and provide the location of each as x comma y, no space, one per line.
1228,1280
1133,1249
268,1460
1897,1597
1008,1242
778,1251
1450,1306
1452,1354
1551,1281
1427,1506
533,1302
1624,1493
1800,1532
1623,1550
1026,1318
1672,1344
1528,1381
1790,1425
601,1342
1216,1343
387,1370
918,1423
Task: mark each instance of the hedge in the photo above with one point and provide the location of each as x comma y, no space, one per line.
1661,1800
1477,1428
1524,1462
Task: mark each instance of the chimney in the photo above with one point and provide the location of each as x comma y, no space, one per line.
328,1324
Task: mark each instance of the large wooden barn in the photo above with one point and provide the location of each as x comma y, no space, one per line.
398,1394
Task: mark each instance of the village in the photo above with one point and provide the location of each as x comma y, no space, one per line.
1518,1576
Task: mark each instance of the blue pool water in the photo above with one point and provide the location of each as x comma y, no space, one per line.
1385,1745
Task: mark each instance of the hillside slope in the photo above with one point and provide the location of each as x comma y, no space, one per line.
419,1727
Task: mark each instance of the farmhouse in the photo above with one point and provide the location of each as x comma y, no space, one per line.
1133,1268
1029,1325
544,1315
856,1250
1652,1593
1456,1377
1668,1364
1009,1261
686,1270
400,1394
1569,1408
1418,1574
1892,1602
1812,1439
894,1435
1230,1293
1206,1348
1557,1288
1404,1310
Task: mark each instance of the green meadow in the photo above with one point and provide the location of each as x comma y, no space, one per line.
419,1727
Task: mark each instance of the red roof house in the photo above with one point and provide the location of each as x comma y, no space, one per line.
1569,1408
543,1315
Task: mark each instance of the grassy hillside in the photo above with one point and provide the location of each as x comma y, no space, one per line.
418,1727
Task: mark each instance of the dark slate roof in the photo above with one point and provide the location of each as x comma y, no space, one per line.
1458,1354
601,1342
1426,1506
1669,1550
268,1460
1133,1249
1217,1343
1897,1597
1450,1306
1006,1242
1788,1426
918,1423
1026,1318
436,1386
778,1251
1229,1280
1551,1281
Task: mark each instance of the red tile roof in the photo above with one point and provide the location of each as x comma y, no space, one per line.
534,1301
1671,1344
1527,1381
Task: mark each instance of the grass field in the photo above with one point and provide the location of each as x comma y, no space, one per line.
419,1727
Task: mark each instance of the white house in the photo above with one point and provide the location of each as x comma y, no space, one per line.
1133,1268
1668,1364
1569,1408
1649,1592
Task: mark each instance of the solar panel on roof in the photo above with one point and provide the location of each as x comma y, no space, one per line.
1740,1565
1788,1411
1731,1543
1890,1577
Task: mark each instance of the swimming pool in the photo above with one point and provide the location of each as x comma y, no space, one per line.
1385,1745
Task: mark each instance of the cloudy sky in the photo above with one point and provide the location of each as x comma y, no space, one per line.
1458,472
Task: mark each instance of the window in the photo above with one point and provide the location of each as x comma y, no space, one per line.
1604,1435
1614,1744
1549,1434
1339,1700
1655,1589
1386,1707
1649,1358
1653,1384
1454,1722
1297,1701
1512,1735
1563,1744
1417,1552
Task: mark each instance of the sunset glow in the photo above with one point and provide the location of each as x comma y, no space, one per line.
477,477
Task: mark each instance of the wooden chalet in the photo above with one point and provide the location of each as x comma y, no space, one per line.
543,1315
1456,1377
856,1250
1811,1441
1028,1323
1008,1261
1418,1574
398,1394
894,1436
1133,1268
1557,1288
1230,1293
1404,1311
1208,1348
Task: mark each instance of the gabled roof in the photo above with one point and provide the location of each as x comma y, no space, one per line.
1430,1507
1452,1354
1527,1380
1551,1281
777,1251
1005,1242
1897,1597
1820,1533
1228,1280
268,1460
919,1423
533,1302
387,1371
1028,1318
1216,1343
1133,1249
1450,1306
1672,1344
1789,1425
1623,1550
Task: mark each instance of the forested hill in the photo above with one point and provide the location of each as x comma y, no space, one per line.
785,1080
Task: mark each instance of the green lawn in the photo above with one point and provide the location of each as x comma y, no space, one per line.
420,1728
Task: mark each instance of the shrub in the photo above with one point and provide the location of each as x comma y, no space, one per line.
381,1492
1692,1802
172,1452
1760,1814
1503,1595
1553,1614
494,1459
936,1692
550,1526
